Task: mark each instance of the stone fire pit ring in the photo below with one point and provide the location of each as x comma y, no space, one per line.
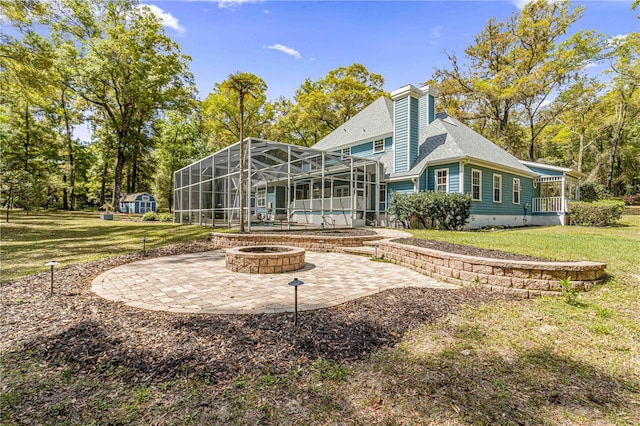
265,259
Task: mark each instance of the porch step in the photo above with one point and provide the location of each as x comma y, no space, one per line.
362,251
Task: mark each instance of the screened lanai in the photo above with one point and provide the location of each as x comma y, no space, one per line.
285,184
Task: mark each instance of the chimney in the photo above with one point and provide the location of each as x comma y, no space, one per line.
406,105
427,105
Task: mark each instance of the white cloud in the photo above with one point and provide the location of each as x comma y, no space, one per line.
230,4
618,38
284,49
436,32
520,4
167,19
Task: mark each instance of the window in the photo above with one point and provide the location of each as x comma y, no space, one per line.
261,198
378,146
346,151
341,191
497,188
516,191
383,194
442,177
476,185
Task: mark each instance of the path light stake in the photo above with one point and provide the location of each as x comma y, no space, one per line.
295,283
52,264
376,247
144,246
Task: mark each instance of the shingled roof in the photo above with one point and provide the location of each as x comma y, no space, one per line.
373,121
448,139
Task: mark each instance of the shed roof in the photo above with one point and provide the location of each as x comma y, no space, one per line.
132,197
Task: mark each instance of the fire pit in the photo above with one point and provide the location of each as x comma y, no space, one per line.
265,259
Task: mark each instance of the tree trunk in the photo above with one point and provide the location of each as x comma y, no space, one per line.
117,180
621,115
65,204
532,139
103,183
170,192
581,152
242,200
27,139
134,176
72,174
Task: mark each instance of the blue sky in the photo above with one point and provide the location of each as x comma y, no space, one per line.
286,41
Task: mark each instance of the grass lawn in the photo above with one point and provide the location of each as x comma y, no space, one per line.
507,362
30,241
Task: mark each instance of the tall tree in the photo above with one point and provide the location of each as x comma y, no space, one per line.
322,106
515,68
221,115
246,85
129,71
179,142
622,101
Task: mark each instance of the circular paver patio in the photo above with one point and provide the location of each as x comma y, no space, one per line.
200,283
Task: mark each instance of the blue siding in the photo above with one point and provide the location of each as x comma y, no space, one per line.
401,143
432,108
405,186
362,150
487,206
424,112
413,131
454,176
422,186
388,143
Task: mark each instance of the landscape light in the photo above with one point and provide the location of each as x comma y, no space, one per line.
52,264
295,284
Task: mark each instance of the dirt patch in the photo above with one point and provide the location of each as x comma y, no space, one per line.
467,250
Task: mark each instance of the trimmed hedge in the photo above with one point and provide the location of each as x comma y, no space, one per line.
599,213
431,209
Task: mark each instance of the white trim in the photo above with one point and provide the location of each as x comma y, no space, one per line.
493,180
435,180
461,177
479,185
429,90
408,90
374,146
409,165
513,191
393,136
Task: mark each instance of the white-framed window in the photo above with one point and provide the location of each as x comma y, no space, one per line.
261,198
476,185
383,194
497,188
516,191
378,146
442,180
346,151
341,191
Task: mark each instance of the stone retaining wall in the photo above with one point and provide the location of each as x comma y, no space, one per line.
312,242
521,278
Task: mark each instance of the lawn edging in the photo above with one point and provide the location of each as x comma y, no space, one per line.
524,279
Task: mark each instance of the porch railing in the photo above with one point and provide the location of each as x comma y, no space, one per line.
549,205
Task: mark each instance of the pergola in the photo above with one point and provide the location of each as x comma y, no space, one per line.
284,183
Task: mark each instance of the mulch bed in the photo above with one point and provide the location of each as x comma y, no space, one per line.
95,335
467,250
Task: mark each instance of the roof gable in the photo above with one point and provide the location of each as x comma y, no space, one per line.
373,121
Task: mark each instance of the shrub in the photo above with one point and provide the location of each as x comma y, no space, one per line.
446,211
165,217
592,192
600,213
150,216
632,200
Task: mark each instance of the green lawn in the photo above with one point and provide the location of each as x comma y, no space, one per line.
511,362
29,241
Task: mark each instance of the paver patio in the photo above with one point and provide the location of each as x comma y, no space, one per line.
200,283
